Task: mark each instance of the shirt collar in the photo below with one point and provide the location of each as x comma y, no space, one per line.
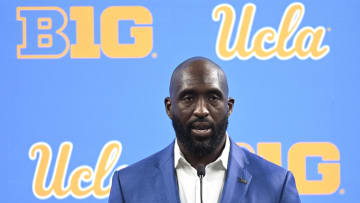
221,160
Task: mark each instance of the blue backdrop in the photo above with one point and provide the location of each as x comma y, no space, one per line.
82,86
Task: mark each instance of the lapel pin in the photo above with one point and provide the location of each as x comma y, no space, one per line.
242,181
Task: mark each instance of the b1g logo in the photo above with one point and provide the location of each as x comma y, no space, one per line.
43,33
284,43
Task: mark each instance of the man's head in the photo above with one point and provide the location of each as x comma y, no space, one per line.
199,106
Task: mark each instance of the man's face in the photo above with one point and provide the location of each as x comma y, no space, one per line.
200,109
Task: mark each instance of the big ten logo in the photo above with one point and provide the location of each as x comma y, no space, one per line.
298,156
267,42
93,179
43,32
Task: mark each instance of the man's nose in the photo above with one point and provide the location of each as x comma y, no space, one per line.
201,110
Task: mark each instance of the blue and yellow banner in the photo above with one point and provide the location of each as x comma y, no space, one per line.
83,86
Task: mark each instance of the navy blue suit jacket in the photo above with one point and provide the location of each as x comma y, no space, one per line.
249,179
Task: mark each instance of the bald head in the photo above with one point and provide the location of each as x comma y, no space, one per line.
197,69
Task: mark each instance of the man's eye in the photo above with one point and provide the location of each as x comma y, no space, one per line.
213,98
188,98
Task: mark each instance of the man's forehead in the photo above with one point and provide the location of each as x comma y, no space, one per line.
202,73
201,76
208,78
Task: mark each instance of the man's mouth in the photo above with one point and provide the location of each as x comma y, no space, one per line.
203,132
201,129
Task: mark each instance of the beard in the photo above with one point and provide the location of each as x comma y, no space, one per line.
200,147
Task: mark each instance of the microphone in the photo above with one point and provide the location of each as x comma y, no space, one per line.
201,173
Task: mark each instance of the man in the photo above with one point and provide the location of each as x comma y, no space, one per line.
199,108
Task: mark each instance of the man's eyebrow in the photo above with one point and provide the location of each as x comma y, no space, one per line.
210,91
185,92
216,91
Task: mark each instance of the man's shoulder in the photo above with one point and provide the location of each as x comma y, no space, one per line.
269,181
265,174
148,164
258,166
141,177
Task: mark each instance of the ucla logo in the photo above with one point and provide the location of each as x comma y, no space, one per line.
43,35
307,42
41,151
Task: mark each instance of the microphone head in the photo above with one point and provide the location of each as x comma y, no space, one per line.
201,170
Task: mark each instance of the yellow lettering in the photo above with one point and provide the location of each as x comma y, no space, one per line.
109,32
246,146
313,49
289,23
281,48
62,163
85,46
226,29
330,171
44,152
270,151
82,173
106,162
262,36
49,37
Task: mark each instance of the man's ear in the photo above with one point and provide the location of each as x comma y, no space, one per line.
230,104
168,109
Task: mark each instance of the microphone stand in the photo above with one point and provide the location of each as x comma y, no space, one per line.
201,174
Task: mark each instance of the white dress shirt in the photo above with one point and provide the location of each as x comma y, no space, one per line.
189,182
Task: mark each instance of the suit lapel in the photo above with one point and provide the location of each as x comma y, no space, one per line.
237,178
165,179
236,183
